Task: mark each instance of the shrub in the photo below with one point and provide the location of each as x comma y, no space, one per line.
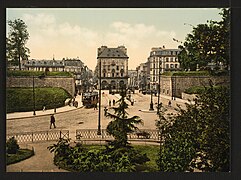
12,146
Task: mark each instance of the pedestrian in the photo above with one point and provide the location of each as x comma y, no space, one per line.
52,121
105,111
169,103
95,106
43,107
109,102
132,102
113,102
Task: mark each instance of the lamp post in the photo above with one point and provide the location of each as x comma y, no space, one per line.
34,113
159,87
151,104
98,131
40,77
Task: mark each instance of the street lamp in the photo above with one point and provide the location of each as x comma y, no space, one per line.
159,87
34,113
98,131
151,104
40,77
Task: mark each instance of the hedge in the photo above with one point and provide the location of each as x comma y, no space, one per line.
37,73
21,99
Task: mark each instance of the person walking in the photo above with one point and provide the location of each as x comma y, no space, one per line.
169,103
109,102
52,121
105,111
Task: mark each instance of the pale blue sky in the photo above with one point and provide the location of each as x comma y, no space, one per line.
74,32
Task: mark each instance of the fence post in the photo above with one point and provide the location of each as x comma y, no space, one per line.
60,134
32,136
47,136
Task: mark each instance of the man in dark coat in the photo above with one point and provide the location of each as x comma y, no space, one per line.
52,121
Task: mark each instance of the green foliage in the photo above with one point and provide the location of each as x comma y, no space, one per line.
83,159
11,73
121,125
12,146
207,43
199,137
21,99
16,41
198,89
22,154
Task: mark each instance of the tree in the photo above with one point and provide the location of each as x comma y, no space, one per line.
16,41
121,125
207,43
200,135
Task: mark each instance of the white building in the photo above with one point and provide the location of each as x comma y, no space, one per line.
161,60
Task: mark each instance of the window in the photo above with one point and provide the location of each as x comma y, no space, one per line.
167,66
172,65
117,68
104,74
154,78
167,91
117,74
154,65
167,59
176,66
113,74
171,59
121,74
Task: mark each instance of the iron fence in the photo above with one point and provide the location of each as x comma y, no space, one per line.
39,136
85,134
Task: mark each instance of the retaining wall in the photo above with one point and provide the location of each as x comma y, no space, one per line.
67,83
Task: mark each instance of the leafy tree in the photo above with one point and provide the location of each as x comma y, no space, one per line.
200,136
207,43
16,41
121,125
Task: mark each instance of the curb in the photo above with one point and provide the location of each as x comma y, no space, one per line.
32,116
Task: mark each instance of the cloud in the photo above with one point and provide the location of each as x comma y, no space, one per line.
135,35
48,37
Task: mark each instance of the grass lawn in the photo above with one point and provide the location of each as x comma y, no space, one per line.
22,154
150,150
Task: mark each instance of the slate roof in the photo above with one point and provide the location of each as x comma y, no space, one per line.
112,53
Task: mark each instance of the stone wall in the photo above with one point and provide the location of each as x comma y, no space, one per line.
188,96
67,83
175,85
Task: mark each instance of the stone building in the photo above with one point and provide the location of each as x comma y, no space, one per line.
143,76
113,65
162,60
132,81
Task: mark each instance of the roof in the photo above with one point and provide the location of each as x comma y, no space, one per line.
113,53
45,63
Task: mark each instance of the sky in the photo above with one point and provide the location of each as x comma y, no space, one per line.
78,32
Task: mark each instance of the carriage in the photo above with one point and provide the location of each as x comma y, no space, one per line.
90,99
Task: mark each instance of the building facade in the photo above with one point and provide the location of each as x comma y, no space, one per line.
112,67
143,76
160,61
132,80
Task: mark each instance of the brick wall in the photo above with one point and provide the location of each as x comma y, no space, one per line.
67,83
